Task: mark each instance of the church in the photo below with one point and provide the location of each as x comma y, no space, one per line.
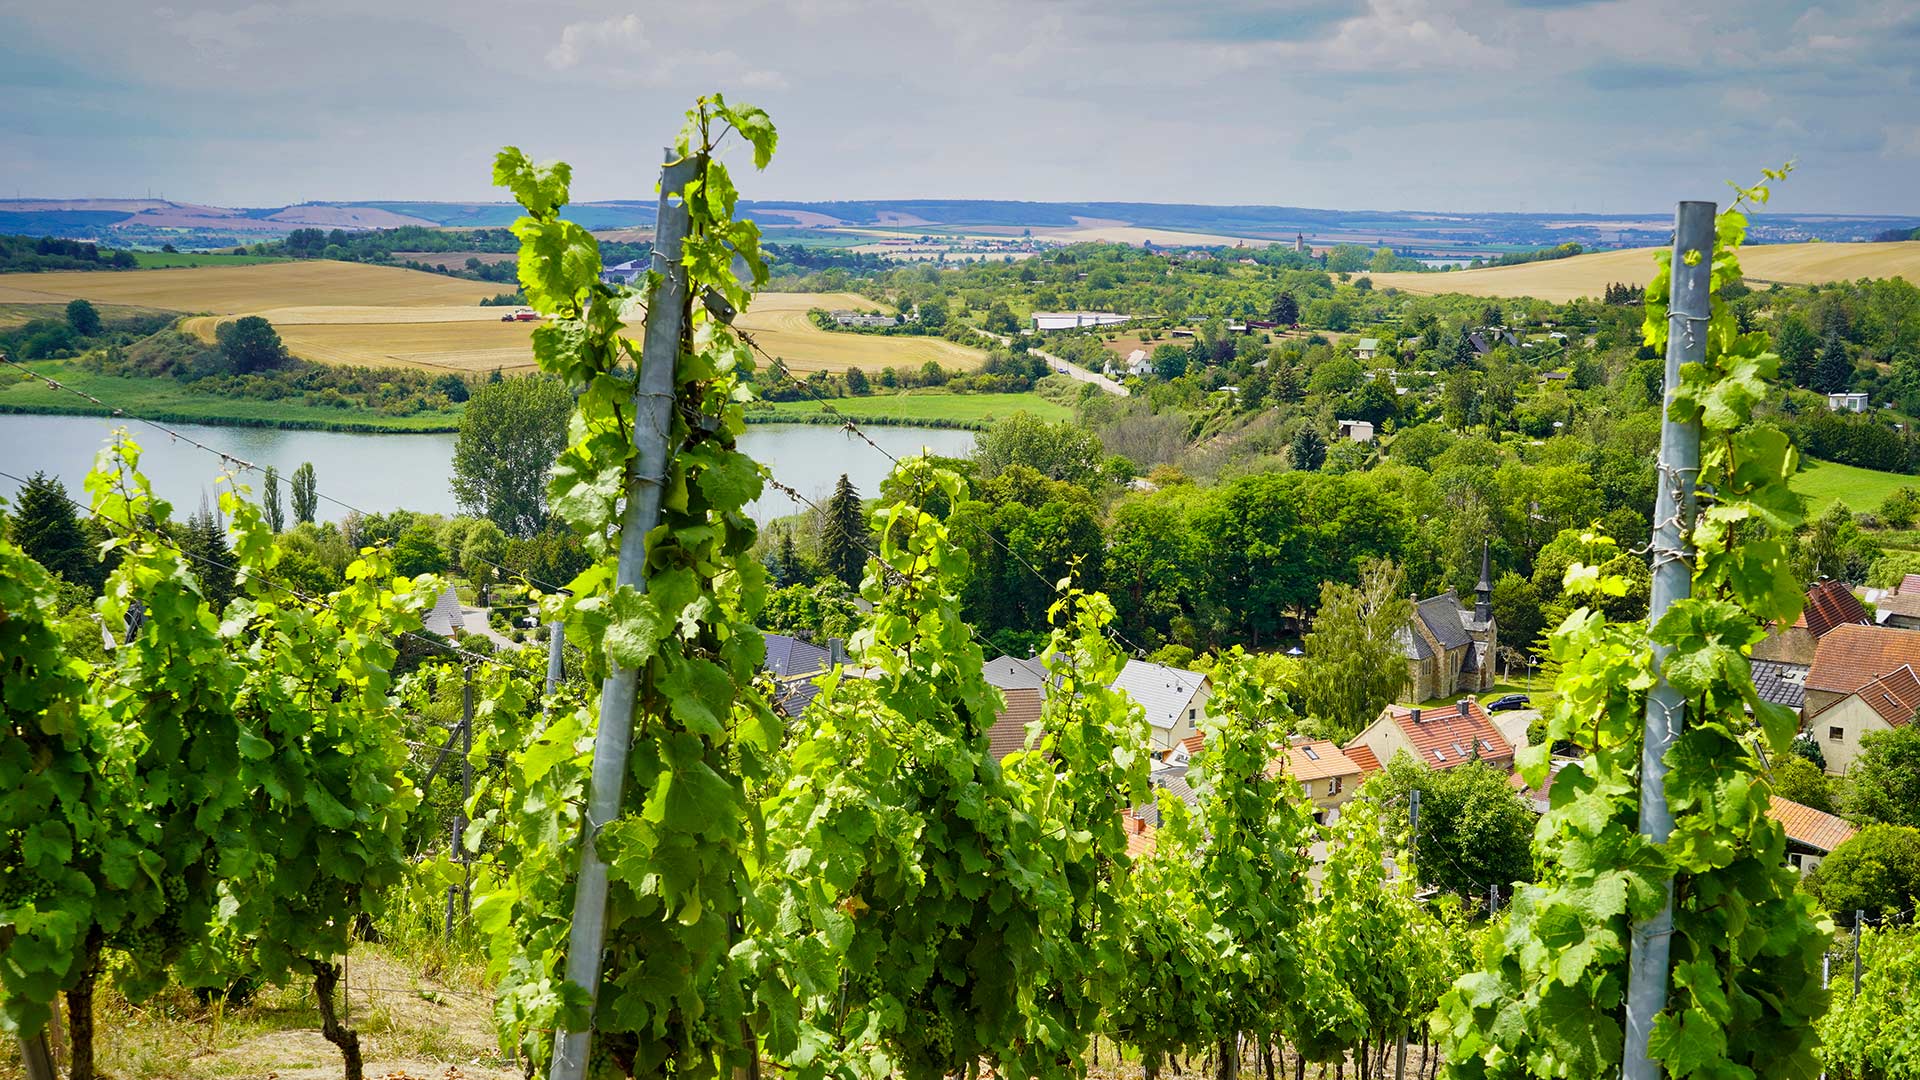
1451,647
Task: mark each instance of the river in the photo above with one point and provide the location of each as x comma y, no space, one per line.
379,473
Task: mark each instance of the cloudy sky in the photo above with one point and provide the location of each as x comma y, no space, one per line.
1524,105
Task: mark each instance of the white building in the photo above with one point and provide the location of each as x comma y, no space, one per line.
1075,320
625,273
1366,349
1357,430
1847,402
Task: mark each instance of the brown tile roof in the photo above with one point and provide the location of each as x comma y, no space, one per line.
1909,585
1904,603
1140,835
1363,756
1895,696
1451,734
1849,657
1009,730
1195,742
1805,825
1316,759
1831,604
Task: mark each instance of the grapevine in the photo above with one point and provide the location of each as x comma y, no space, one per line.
1746,941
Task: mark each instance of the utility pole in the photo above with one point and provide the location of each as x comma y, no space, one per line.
1649,962
646,475
1858,918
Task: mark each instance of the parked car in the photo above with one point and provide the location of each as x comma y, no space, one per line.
1510,701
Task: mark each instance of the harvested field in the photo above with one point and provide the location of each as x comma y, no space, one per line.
1561,280
778,321
230,290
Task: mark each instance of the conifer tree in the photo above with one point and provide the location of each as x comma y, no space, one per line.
843,534
305,497
45,526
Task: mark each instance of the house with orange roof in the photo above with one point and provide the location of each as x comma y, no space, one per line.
1829,604
1440,738
1325,773
1849,657
1885,703
1811,834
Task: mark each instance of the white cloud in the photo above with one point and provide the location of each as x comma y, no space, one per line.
617,35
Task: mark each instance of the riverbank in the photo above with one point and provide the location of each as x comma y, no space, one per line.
169,401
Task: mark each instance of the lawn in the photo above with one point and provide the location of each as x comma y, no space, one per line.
167,260
1823,482
916,407
173,402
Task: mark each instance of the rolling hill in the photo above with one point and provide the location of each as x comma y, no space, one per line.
1561,280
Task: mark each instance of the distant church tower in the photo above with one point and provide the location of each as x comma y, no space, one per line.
1483,592
1300,242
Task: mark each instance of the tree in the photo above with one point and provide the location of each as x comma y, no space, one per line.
1308,450
83,317
453,386
44,525
932,313
1354,665
1798,780
857,382
1285,309
270,507
1808,747
306,497
250,344
1875,1034
204,540
1877,870
1474,830
1516,610
843,534
1901,509
1886,777
1799,349
1835,369
418,551
1063,451
510,435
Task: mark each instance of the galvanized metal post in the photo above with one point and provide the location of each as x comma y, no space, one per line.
1858,918
466,793
556,663
1687,311
646,474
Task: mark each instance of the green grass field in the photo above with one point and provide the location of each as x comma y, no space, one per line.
943,409
162,260
173,402
1863,490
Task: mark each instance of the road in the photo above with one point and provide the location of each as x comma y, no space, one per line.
1062,367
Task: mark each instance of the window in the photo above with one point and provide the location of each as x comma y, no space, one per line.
1333,787
1311,756
1835,734
1439,754
1193,714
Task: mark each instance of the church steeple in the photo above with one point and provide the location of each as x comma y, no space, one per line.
1483,592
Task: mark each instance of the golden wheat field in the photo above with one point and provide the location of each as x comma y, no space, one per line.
228,290
779,323
1560,280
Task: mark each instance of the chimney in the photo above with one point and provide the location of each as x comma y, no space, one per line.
1462,706
1413,714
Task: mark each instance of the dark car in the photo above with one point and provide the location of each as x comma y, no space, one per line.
1511,701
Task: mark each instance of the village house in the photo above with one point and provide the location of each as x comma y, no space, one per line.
625,273
1899,606
1175,700
1829,604
1360,431
1850,656
1882,704
1844,402
1440,738
1811,834
1327,776
1366,348
1010,727
1137,365
1450,647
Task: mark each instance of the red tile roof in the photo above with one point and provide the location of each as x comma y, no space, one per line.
1009,730
1363,756
1895,696
1831,604
1805,825
1909,585
1140,835
1849,657
1316,759
1451,734
1194,743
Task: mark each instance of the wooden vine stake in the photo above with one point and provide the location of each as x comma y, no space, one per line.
1687,312
653,398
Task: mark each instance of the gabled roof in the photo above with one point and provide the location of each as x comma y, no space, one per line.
788,656
792,696
1904,604
1316,759
1368,343
1850,656
1451,734
446,618
1363,756
1161,690
1909,585
1895,696
1009,730
1140,835
1015,673
1444,619
1780,682
1809,827
1831,604
1195,742
1412,645
1179,788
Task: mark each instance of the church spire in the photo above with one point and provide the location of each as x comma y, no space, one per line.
1483,592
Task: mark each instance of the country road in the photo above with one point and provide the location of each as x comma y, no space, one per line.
1062,367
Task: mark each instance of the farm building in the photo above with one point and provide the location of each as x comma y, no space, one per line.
1075,320
863,320
1366,349
1838,402
625,273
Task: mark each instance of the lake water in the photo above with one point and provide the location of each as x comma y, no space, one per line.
380,473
